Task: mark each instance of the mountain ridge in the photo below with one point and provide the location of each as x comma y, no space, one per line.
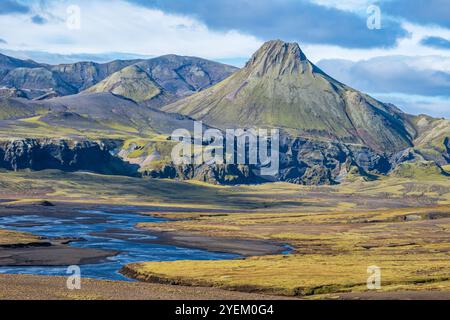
180,76
279,87
330,133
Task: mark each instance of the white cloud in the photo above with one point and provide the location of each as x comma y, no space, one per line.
118,26
416,104
346,5
410,46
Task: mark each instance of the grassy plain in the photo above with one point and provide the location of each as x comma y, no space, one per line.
335,232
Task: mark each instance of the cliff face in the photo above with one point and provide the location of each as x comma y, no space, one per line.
41,154
310,162
302,161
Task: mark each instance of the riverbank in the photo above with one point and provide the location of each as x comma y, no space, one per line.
29,287
26,249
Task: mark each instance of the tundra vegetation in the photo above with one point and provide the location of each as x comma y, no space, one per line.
360,184
398,224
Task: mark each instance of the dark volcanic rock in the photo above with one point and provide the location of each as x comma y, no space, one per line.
217,174
46,204
447,148
306,161
302,161
64,155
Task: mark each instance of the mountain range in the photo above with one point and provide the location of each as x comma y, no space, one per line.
177,76
329,132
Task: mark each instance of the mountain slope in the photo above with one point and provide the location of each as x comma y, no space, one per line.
89,115
279,87
177,76
116,111
9,63
184,76
83,75
433,138
131,82
11,109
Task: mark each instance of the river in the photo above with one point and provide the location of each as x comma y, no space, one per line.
133,243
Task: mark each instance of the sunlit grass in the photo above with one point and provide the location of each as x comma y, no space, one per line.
8,237
302,274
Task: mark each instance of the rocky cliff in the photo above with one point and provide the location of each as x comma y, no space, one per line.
40,154
302,161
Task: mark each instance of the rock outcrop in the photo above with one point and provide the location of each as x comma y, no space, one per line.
302,161
39,154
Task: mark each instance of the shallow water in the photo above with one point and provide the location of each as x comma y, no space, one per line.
127,239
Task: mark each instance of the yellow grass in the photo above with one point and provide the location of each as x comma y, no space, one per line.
8,237
303,274
336,232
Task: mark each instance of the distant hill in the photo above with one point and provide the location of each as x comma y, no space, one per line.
184,76
134,83
37,80
160,81
178,76
9,63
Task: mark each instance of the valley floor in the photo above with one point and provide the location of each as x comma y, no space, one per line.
334,234
29,287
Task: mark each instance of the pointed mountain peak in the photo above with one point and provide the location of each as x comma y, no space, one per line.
280,48
281,88
282,56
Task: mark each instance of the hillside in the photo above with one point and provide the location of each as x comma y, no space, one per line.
132,82
330,133
279,87
178,76
433,138
90,115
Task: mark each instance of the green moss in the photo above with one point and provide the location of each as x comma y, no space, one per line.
421,170
131,82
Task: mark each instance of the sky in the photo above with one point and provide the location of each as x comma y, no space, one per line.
396,50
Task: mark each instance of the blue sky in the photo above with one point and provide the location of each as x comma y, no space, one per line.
406,61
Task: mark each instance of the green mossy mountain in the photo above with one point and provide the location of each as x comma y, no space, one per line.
133,83
279,87
331,133
433,138
163,80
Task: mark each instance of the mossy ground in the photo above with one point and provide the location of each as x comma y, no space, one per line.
8,238
400,225
300,275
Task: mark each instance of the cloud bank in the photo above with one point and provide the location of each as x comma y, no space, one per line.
286,19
